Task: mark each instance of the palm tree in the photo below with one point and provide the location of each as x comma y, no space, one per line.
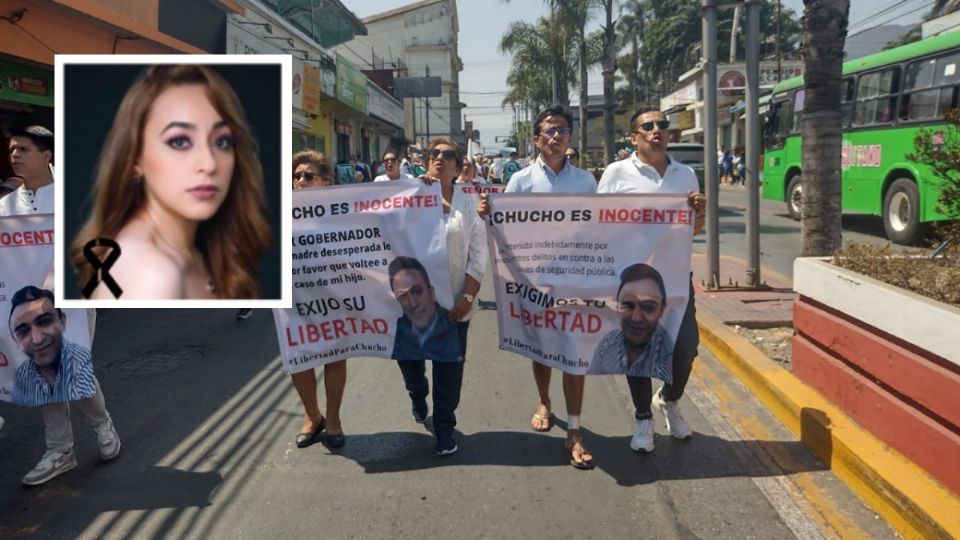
574,14
824,32
609,69
631,28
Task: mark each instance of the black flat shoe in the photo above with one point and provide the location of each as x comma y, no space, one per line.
335,440
306,439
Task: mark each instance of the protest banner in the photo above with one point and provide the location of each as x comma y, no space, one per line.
558,261
476,188
345,239
26,258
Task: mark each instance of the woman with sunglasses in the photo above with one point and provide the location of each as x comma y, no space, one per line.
392,169
651,170
311,170
467,256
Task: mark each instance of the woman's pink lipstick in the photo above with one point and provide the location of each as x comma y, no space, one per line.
204,193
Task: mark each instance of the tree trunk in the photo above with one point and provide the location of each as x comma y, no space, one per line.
635,68
824,32
609,68
584,94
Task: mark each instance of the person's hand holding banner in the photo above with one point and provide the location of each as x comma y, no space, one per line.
592,285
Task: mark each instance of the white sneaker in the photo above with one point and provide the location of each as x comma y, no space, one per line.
244,314
676,425
107,440
52,464
642,440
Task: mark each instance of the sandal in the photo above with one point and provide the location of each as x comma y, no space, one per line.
541,422
306,439
580,458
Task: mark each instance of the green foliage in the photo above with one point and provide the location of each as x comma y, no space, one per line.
939,149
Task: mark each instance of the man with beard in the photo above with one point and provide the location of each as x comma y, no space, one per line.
56,372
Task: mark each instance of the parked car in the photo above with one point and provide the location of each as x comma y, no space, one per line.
690,154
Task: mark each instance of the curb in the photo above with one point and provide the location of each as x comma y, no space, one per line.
906,496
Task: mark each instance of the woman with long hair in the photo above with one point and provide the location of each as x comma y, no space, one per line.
179,187
311,169
467,257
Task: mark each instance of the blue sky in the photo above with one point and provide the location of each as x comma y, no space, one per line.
482,22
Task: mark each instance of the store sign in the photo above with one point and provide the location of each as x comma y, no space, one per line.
383,106
311,89
26,84
351,85
683,96
298,83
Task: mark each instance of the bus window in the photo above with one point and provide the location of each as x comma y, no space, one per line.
948,70
778,122
799,97
930,88
846,104
876,97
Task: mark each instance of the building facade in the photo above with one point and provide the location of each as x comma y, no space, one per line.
417,40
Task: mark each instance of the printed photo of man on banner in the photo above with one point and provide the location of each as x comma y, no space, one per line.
45,351
592,285
370,276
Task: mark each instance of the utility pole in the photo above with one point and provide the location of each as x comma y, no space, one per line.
779,63
752,156
710,139
428,113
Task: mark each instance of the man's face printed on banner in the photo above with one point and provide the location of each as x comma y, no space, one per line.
641,307
416,297
38,329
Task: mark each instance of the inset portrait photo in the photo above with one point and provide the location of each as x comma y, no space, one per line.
171,180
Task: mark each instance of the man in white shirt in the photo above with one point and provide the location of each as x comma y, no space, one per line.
552,173
31,155
392,168
651,170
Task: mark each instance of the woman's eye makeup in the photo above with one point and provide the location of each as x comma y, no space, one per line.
180,142
223,142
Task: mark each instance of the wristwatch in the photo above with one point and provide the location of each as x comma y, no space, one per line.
468,297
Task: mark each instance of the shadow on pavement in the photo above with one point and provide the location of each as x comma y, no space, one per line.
169,378
703,457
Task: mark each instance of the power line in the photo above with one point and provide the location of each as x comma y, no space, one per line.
881,13
891,19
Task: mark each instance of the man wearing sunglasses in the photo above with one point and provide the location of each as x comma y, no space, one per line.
391,166
553,173
651,170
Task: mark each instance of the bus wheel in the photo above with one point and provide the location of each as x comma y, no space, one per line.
794,196
901,212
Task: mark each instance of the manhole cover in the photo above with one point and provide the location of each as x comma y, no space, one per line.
154,362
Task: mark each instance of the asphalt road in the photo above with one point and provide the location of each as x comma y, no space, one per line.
208,420
780,236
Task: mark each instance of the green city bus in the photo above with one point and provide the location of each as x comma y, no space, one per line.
887,98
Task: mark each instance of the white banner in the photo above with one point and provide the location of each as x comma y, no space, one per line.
558,260
26,258
345,239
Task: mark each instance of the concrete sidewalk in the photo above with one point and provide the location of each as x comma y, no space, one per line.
764,308
906,496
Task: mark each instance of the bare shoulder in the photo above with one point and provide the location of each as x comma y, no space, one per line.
143,271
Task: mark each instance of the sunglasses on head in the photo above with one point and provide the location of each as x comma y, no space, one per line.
306,175
447,154
648,126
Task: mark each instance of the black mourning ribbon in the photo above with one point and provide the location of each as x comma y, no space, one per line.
102,268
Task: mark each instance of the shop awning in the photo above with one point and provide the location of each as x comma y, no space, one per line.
328,22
